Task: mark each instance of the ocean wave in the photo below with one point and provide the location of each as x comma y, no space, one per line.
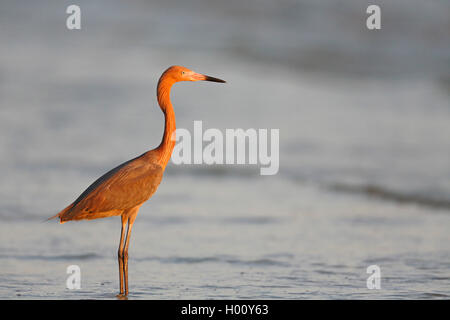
63,257
218,259
387,194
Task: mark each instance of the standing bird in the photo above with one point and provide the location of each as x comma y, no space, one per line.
122,190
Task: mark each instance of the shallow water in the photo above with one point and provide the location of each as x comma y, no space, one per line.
364,149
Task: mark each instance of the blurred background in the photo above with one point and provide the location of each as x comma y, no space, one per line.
364,148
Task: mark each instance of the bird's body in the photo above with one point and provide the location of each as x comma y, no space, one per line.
122,190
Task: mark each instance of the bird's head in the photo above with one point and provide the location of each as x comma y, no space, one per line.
179,73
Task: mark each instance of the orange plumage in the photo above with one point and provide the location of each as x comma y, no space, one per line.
122,190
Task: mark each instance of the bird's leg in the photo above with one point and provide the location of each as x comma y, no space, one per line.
131,219
120,253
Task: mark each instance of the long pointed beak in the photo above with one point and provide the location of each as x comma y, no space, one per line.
208,78
199,76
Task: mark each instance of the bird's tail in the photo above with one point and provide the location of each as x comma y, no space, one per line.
61,214
53,217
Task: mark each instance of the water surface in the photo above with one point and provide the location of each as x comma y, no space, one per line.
364,149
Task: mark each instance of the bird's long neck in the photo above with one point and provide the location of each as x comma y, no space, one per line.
168,141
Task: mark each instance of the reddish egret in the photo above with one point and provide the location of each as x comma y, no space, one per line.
122,190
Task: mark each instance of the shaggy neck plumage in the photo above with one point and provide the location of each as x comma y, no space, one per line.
168,141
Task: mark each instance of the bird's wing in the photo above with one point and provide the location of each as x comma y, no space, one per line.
124,187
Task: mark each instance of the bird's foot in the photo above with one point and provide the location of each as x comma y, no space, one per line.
122,296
